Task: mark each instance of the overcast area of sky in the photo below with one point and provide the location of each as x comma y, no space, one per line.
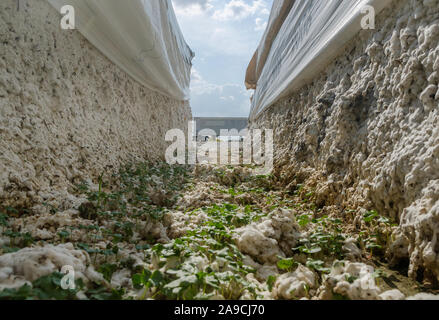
224,35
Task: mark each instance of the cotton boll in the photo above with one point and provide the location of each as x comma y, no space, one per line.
424,296
29,264
254,243
352,252
295,284
273,236
350,279
394,294
121,278
266,271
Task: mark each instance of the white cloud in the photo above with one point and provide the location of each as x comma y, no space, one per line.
203,25
218,38
261,24
188,3
192,8
208,99
223,48
240,9
228,98
199,86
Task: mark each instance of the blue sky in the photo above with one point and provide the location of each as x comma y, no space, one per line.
224,35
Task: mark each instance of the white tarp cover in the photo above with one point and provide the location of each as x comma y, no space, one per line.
140,36
312,34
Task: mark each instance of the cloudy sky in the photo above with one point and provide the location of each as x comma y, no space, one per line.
224,35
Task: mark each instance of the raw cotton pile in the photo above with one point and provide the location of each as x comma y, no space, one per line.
294,285
68,113
282,246
353,280
273,237
365,133
29,264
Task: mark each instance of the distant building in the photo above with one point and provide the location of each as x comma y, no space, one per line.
207,128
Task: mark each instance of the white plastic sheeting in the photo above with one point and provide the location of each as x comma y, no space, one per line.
312,34
141,36
279,13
